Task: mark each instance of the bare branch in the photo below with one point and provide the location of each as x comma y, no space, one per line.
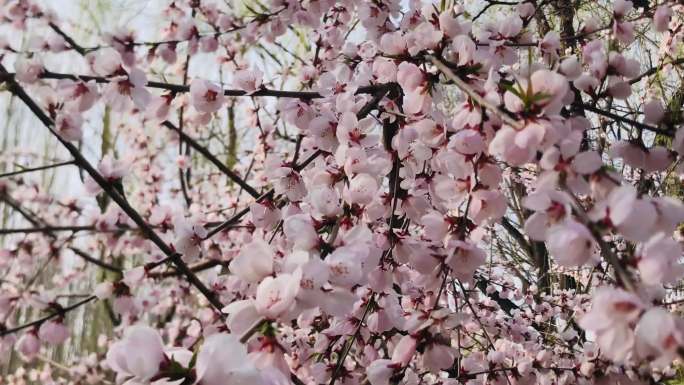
39,168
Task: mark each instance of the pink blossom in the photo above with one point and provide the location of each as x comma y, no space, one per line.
248,80
351,131
465,48
223,358
29,345
81,96
610,317
571,67
289,182
361,190
465,259
661,18
53,332
621,7
653,111
438,357
659,335
299,229
550,44
264,214
344,266
393,43
586,83
326,201
624,31
383,181
487,206
410,77
380,371
338,83
68,125
276,296
159,108
570,243
633,217
587,162
138,355
467,142
424,37
553,86
254,262
385,70
404,350
510,26
242,315
208,44
127,89
450,25
525,9
28,70
504,146
189,237
658,260
205,96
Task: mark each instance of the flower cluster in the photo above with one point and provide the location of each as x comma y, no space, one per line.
346,192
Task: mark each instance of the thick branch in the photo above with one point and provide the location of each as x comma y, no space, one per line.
179,88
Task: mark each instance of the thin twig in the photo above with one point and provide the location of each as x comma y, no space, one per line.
39,168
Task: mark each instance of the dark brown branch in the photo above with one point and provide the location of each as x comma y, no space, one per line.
39,321
628,121
96,261
202,150
179,88
196,268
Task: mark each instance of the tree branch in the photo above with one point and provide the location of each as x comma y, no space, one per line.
39,168
628,121
47,317
203,150
179,88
